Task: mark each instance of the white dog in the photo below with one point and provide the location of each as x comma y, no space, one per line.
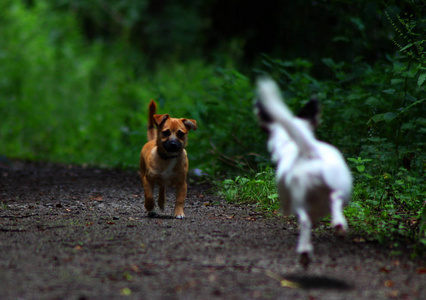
312,176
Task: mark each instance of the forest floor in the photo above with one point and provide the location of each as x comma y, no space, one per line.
70,232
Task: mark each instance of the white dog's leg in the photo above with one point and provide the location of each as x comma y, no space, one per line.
304,246
338,219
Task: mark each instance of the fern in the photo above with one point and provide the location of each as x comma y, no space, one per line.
412,44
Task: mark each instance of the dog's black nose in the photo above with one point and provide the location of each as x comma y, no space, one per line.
173,146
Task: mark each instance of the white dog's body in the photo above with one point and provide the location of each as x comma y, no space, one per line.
312,177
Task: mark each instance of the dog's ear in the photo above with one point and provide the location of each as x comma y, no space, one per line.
190,124
263,117
311,112
261,113
160,119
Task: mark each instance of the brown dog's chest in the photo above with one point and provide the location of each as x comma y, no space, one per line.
164,175
166,172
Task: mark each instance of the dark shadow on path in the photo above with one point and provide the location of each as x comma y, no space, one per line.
318,282
158,216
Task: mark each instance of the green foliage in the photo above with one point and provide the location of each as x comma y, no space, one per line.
409,30
57,87
388,207
233,136
66,100
252,188
166,30
3,206
359,163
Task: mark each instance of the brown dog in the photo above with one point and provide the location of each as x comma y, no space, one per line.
164,161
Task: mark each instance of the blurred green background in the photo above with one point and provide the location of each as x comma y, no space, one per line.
76,76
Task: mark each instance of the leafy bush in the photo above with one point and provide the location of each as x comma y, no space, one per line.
388,207
234,139
252,188
60,89
68,100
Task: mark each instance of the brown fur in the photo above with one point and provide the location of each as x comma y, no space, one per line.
163,159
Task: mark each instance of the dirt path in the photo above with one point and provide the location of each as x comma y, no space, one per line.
82,233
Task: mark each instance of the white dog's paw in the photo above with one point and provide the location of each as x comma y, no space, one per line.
340,230
180,217
305,259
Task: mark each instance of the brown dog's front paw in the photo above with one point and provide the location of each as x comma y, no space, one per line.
180,217
178,213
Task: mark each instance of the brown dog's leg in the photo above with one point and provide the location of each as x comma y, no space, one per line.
161,197
180,199
149,197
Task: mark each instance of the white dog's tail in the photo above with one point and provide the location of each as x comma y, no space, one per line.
269,94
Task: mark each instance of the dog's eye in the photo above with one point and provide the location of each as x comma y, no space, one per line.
166,133
181,134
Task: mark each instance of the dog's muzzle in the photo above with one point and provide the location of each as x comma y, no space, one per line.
172,146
